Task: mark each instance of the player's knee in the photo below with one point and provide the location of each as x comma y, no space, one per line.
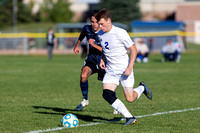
84,77
109,96
130,99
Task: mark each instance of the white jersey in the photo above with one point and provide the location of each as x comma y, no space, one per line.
115,44
171,48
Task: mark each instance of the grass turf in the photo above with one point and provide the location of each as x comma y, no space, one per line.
35,93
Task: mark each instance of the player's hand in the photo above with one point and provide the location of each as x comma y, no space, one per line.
91,42
128,71
102,64
76,50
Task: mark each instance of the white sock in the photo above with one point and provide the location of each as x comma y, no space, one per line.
119,106
139,90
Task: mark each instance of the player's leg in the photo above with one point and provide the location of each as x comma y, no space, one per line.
127,83
133,94
85,73
178,57
109,96
137,92
49,50
110,84
145,59
100,76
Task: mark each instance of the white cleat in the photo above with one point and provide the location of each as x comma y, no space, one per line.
82,105
115,112
85,102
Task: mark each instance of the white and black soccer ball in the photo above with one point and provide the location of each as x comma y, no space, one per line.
69,121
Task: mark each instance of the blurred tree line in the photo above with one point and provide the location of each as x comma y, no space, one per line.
6,12
58,11
50,11
123,11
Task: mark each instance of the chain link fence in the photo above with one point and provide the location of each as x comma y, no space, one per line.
35,43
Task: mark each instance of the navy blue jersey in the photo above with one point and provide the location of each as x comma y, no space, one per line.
50,39
94,54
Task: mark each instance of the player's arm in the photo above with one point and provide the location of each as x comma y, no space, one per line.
55,41
81,37
102,61
133,56
91,42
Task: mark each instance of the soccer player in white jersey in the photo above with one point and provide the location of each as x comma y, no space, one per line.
115,43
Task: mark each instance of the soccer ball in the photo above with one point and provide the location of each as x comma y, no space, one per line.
69,121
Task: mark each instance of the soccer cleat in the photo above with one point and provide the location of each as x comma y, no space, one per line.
131,120
82,105
146,91
115,112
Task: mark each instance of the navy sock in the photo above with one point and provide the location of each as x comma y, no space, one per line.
84,89
115,95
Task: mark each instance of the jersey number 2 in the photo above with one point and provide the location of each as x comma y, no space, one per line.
106,45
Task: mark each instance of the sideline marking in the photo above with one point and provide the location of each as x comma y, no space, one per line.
97,123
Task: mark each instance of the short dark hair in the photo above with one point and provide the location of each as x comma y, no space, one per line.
103,13
94,13
50,28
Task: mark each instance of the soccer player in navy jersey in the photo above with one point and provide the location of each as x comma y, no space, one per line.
91,64
51,41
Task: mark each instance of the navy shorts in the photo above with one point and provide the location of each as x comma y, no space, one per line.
95,69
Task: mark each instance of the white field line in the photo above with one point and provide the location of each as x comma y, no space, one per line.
97,123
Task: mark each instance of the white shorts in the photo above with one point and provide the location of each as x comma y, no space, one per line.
126,81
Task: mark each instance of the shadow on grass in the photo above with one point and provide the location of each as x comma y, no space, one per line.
61,111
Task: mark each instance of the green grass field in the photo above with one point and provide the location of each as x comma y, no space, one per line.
35,93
